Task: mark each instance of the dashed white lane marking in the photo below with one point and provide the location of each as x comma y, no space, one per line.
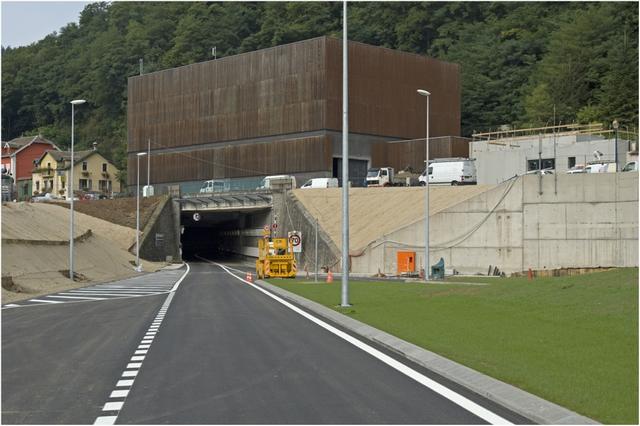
45,301
119,395
447,393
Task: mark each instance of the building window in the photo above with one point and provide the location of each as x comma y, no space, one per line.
572,162
38,187
84,166
84,184
102,186
547,163
104,167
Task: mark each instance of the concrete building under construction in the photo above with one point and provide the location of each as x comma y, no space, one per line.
279,110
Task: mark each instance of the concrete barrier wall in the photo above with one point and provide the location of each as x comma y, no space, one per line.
592,220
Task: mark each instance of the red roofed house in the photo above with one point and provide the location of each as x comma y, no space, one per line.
17,158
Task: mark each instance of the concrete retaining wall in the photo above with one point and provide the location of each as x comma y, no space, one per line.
161,236
591,221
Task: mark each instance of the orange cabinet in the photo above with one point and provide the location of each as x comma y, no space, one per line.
406,261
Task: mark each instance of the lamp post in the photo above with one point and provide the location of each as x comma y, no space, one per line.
138,267
426,193
615,127
70,186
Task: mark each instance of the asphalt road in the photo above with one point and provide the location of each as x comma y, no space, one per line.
224,353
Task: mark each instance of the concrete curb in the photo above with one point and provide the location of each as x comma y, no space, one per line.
524,403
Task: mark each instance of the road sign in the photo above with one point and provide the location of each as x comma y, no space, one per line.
274,226
296,241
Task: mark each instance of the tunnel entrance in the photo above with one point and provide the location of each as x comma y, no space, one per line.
221,235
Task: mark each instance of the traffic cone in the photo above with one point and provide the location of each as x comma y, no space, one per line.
329,278
249,277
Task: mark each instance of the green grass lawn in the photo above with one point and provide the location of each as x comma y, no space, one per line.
571,340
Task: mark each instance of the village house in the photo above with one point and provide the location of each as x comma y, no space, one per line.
91,173
18,156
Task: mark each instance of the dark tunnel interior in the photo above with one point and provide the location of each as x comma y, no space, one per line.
214,235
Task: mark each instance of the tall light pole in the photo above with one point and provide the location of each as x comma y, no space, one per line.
138,267
615,127
70,186
426,192
345,160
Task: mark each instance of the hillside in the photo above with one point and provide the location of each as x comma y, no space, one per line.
518,59
35,250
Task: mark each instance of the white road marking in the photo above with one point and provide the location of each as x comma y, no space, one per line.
137,293
119,393
452,396
105,420
45,301
77,297
134,367
112,406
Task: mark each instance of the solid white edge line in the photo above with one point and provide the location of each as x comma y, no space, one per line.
177,284
447,393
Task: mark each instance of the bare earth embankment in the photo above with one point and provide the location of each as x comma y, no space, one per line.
35,248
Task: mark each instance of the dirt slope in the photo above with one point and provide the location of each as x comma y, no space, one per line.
35,249
374,212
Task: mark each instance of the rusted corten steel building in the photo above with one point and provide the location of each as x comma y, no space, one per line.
279,110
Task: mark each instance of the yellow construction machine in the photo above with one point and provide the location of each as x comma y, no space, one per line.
275,258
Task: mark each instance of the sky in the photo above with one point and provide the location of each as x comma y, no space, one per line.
25,22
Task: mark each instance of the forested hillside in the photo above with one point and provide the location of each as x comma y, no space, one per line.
518,59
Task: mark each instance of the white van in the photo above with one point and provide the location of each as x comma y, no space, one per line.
278,182
215,185
320,183
453,171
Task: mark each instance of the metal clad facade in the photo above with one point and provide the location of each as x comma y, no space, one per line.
269,92
382,92
234,161
290,95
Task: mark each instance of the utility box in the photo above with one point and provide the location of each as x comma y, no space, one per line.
437,270
406,262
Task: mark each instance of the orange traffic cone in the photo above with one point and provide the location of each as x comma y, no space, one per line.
329,278
249,277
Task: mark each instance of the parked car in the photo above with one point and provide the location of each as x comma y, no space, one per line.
320,183
269,182
631,166
454,171
596,168
215,185
579,168
540,172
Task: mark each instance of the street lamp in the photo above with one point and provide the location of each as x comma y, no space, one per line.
70,187
138,267
426,194
615,127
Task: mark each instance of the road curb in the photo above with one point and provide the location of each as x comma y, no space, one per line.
524,403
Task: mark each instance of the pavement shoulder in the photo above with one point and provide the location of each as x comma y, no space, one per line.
524,403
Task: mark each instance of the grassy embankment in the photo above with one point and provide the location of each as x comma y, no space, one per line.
571,340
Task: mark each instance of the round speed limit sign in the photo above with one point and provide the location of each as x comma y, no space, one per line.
295,240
